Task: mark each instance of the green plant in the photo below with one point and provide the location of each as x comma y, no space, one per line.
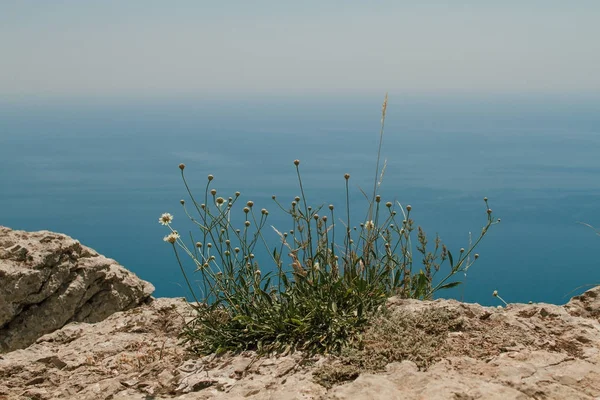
339,276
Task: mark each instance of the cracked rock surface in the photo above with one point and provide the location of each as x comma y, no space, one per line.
524,351
48,279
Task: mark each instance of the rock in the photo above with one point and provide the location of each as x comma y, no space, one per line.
522,351
49,279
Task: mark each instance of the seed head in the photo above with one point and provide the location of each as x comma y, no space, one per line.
213,191
237,194
171,237
237,249
388,204
476,256
247,223
346,176
273,197
489,211
251,255
182,201
296,162
198,244
182,166
210,178
264,211
316,217
462,249
485,199
408,207
165,219
246,210
227,242
209,245
378,198
297,198
324,218
250,204
331,207
220,200
495,293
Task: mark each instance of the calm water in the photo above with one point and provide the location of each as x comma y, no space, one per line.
103,172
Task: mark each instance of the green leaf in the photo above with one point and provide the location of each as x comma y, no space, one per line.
450,285
450,259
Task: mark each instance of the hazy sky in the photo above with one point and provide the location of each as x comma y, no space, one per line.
147,47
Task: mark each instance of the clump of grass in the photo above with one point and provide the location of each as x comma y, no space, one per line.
390,337
324,278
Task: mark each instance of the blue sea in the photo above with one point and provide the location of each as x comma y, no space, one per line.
103,171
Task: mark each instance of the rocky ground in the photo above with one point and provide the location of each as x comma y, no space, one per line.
535,351
441,349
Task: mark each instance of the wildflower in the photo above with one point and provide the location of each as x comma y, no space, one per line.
378,198
247,223
171,237
213,191
250,204
296,162
388,204
331,207
408,207
237,194
210,177
220,200
346,176
369,225
182,166
165,219
182,201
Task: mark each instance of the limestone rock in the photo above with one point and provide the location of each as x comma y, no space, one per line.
48,279
522,351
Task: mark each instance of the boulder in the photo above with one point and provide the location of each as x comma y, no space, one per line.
48,279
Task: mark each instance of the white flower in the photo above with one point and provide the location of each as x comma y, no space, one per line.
165,219
369,225
171,237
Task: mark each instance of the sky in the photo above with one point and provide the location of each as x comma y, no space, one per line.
228,47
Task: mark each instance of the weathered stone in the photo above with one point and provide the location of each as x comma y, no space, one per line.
535,351
48,280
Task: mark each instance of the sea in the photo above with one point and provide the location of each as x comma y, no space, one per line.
103,170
